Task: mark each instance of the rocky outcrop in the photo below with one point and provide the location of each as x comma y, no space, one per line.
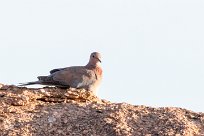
61,112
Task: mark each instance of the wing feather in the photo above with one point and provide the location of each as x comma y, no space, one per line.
76,77
56,70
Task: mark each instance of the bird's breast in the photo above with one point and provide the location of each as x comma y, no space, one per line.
99,71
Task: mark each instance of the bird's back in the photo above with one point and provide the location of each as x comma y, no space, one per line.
76,77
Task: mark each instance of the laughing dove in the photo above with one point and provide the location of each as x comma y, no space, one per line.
87,77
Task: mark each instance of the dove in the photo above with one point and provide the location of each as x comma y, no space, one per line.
86,77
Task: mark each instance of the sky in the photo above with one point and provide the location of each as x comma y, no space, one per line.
152,50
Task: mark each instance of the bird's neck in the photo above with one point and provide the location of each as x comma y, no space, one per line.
92,65
96,67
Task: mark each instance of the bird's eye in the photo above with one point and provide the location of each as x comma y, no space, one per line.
93,56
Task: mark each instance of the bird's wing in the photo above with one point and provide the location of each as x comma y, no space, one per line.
76,77
56,70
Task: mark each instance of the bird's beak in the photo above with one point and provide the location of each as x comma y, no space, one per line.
99,60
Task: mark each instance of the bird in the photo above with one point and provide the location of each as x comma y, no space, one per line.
86,77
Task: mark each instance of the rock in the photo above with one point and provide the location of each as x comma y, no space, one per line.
54,111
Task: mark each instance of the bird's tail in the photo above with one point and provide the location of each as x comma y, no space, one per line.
41,80
30,83
45,80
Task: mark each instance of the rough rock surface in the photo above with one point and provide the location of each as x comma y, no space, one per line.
61,112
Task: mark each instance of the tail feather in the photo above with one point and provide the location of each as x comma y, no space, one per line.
29,83
45,80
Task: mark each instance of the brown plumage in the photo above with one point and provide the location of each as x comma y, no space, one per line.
88,77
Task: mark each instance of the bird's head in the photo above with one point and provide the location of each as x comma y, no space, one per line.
95,58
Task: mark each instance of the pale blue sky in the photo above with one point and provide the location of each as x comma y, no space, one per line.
153,50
